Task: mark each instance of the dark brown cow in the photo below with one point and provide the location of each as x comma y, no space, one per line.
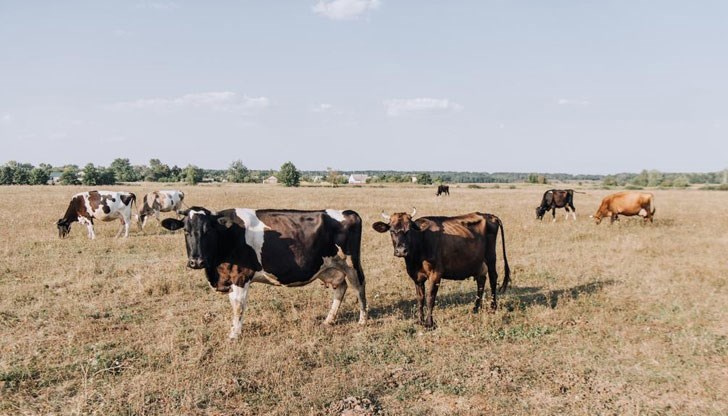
101,205
626,203
436,248
556,198
290,248
443,189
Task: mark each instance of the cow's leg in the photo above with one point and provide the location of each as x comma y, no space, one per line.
352,277
614,217
553,214
573,210
121,227
566,213
490,260
420,288
156,215
238,300
480,280
433,283
89,227
339,293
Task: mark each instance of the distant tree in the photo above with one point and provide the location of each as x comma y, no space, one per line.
106,177
40,175
175,174
21,175
193,174
90,175
655,178
69,176
157,171
237,172
7,172
609,180
642,179
289,175
123,170
681,182
424,179
334,177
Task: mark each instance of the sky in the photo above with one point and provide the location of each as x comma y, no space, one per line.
486,85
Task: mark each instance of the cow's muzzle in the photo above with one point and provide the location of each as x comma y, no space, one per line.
400,252
196,263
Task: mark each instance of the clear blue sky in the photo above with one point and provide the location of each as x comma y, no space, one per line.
554,86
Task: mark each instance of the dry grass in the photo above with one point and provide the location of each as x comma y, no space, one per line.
623,319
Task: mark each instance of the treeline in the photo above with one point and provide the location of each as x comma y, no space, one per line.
393,176
121,170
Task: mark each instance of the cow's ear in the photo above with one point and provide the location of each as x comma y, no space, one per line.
225,222
380,227
172,224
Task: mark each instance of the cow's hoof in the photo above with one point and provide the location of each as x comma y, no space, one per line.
327,323
233,335
476,309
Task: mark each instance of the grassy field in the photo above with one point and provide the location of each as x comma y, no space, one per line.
623,319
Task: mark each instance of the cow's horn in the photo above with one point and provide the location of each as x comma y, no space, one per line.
414,211
385,216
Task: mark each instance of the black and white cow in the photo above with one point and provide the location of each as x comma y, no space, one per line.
159,201
556,198
85,207
290,248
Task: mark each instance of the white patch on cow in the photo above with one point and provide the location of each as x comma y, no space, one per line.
335,214
642,213
192,213
254,230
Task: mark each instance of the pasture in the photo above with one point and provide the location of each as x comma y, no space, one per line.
622,319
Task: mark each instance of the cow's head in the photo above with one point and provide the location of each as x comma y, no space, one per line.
597,218
202,233
64,227
401,228
540,212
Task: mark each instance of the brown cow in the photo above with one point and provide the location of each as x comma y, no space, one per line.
626,203
455,248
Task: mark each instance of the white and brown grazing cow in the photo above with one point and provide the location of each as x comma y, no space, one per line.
85,207
159,201
626,203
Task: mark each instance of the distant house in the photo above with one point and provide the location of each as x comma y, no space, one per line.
358,179
54,178
271,179
414,179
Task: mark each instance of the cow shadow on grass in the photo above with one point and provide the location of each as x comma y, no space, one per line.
514,298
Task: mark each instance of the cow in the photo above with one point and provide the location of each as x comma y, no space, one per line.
239,246
626,203
436,248
85,207
159,201
556,198
443,189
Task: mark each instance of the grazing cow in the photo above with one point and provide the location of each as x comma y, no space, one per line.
556,198
443,189
456,248
626,203
159,201
85,207
278,247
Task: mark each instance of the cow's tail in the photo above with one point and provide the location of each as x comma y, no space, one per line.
507,276
652,205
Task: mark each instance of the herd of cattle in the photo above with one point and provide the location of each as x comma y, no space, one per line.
238,246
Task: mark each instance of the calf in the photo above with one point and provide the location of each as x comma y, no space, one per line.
85,207
289,248
436,248
626,203
556,198
159,201
443,189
